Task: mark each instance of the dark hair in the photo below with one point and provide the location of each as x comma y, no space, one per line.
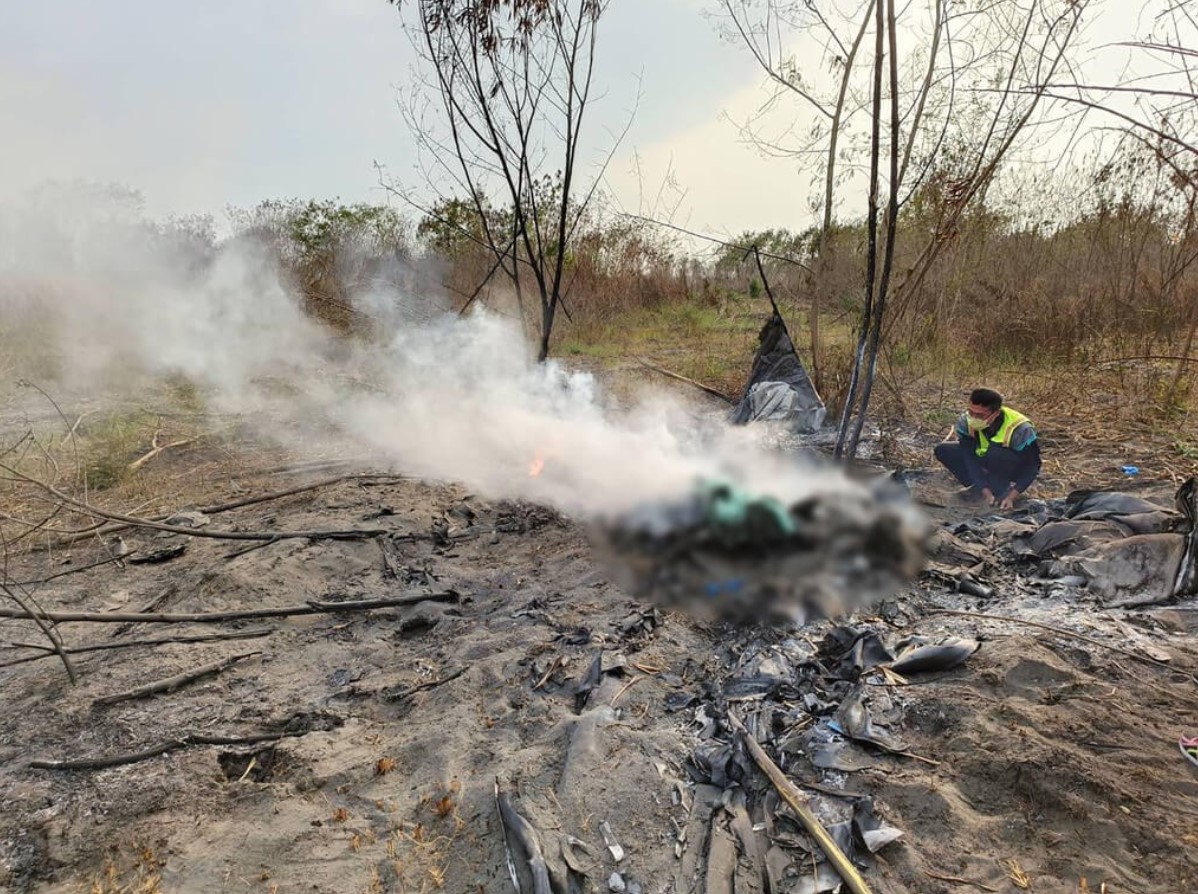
986,397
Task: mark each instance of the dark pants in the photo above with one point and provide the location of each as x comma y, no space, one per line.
997,470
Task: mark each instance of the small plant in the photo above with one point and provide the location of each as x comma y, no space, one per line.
184,393
1187,449
110,445
940,417
384,765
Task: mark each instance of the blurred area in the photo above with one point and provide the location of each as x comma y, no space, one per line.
724,553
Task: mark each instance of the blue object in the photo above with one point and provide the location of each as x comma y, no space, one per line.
1130,471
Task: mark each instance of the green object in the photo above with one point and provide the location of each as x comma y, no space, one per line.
729,506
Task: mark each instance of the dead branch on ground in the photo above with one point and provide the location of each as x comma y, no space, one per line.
309,608
1059,630
794,798
169,684
187,740
156,448
26,609
673,375
431,684
104,528
45,580
47,652
133,521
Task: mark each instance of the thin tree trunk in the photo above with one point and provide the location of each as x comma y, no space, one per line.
548,309
829,191
872,221
1185,358
891,225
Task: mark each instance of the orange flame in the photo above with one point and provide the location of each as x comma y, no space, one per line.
537,466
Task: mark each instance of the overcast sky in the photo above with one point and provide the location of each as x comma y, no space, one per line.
204,104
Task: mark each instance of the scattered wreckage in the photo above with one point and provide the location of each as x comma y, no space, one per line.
794,706
1123,550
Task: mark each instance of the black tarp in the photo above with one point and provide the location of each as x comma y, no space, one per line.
779,389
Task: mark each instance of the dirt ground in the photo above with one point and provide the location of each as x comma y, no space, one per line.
1045,763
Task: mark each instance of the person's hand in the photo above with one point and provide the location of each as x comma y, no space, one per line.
1009,501
988,496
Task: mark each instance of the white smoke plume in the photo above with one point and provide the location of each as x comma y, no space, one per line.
94,295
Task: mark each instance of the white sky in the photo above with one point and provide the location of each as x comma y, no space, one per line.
200,105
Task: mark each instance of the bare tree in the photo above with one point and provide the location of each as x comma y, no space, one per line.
933,55
511,84
764,38
1157,112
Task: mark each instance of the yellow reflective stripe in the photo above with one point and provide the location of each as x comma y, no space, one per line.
1012,419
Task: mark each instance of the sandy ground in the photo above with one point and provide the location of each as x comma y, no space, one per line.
1044,763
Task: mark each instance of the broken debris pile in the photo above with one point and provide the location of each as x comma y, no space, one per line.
759,793
1120,548
723,553
816,713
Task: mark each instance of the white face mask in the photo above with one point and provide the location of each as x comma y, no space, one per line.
976,424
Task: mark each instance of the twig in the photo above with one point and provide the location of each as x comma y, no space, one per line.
310,608
26,606
161,641
846,794
553,665
624,689
431,684
168,592
132,521
349,534
156,449
312,465
957,881
89,567
252,547
185,741
171,683
390,568
673,375
917,757
74,428
292,491
792,796
766,285
1062,631
102,529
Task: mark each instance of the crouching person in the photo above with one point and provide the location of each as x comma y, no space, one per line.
996,456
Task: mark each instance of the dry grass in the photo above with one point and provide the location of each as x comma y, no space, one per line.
419,853
105,457
129,874
1094,416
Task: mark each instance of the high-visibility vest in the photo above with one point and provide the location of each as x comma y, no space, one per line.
1012,419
